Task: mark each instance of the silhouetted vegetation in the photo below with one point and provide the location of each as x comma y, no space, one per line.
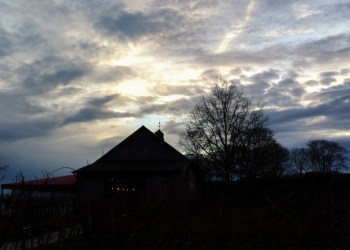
319,156
227,135
300,213
37,220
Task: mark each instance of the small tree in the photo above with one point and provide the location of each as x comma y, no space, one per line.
221,126
326,156
298,160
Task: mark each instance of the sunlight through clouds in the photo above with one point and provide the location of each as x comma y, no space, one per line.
85,74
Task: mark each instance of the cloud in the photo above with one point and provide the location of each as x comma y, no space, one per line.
111,74
90,114
326,50
101,101
96,109
22,118
5,43
334,107
175,108
133,25
50,72
17,130
110,142
185,90
51,80
344,71
174,128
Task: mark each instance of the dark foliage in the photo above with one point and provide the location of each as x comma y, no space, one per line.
319,156
309,212
227,134
326,156
298,161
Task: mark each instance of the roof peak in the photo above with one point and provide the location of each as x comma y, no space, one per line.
141,146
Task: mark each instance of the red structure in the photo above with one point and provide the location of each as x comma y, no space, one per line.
51,184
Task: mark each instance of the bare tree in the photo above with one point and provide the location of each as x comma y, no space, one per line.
326,156
221,125
298,160
2,169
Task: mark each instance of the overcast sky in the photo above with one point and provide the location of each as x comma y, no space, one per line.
76,77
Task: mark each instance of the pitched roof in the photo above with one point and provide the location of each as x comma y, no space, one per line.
142,151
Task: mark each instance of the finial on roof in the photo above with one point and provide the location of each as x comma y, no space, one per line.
159,133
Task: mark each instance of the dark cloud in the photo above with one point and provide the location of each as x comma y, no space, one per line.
49,73
334,107
96,109
297,91
17,130
101,101
329,74
260,83
326,50
134,25
331,93
327,81
16,104
5,43
90,114
99,108
130,25
21,118
287,82
311,83
328,77
63,77
173,127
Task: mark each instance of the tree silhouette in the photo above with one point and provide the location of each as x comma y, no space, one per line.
326,156
298,160
262,156
223,125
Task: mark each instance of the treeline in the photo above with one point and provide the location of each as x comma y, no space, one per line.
227,135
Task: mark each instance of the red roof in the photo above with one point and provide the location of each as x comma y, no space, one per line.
50,184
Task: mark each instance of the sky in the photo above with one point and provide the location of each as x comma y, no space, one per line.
77,77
